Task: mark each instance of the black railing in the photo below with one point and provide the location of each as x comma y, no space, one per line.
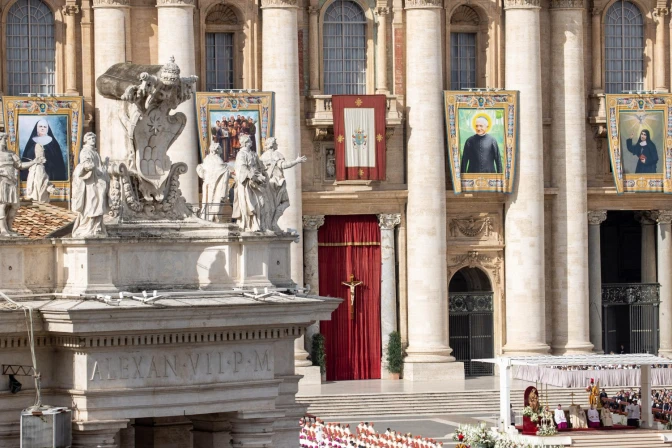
630,293
471,327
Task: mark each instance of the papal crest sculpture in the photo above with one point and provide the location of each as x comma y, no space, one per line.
146,185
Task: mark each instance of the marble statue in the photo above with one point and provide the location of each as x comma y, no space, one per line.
275,165
90,182
9,185
215,174
38,187
146,185
253,204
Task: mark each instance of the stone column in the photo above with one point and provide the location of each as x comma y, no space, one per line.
664,219
70,10
314,49
280,72
429,356
311,268
648,222
597,50
571,328
381,50
659,50
97,434
388,283
595,218
176,39
110,48
211,431
524,220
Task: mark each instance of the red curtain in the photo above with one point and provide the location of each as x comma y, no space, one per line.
351,245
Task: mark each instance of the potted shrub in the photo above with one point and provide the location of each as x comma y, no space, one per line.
318,355
394,355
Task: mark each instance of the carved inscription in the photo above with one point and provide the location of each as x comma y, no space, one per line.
179,367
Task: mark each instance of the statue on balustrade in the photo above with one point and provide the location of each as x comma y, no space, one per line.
10,163
90,182
215,174
253,204
275,165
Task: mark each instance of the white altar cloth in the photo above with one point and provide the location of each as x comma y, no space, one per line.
581,378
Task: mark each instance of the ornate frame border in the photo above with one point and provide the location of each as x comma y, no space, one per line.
490,183
263,102
71,106
639,183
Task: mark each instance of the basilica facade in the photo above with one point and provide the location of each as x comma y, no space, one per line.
562,265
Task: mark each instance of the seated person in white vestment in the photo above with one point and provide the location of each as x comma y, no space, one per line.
560,418
607,419
577,416
593,417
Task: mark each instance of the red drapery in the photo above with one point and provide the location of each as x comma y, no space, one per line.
379,104
351,245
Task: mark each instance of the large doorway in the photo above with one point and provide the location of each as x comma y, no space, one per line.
471,323
629,304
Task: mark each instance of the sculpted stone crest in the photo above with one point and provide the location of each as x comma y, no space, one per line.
147,185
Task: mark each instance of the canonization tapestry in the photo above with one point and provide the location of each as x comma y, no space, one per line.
482,130
49,127
359,136
640,142
224,117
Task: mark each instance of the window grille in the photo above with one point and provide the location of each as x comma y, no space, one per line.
462,60
624,48
219,61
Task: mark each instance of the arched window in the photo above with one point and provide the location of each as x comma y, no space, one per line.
31,50
344,48
219,47
463,48
624,48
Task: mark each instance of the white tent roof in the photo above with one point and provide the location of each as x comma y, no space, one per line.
577,360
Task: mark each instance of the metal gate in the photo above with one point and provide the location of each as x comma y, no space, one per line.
472,331
630,317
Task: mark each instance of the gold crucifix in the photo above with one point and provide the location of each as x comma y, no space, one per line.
352,284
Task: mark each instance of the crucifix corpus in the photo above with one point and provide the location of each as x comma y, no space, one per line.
352,284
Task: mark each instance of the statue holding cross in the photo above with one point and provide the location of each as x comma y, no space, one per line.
352,284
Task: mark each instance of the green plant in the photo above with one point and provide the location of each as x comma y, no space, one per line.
395,357
317,353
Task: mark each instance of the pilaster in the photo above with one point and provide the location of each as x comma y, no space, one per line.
659,80
381,50
314,49
388,282
595,219
70,11
311,267
664,220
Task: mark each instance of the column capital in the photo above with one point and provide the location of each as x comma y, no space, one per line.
567,4
279,3
662,216
389,221
175,2
660,13
382,11
70,10
423,4
645,218
313,222
518,4
111,3
313,10
596,217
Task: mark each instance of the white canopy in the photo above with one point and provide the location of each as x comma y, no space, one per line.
643,360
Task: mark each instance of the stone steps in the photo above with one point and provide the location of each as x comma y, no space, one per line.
630,440
484,402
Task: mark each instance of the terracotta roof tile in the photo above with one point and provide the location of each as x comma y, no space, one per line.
38,220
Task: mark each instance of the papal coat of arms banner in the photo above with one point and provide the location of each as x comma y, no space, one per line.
482,132
640,142
359,136
224,117
50,128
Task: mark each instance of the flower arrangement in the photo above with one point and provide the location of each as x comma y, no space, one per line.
475,436
536,416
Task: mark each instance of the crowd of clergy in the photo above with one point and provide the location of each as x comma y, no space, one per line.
317,433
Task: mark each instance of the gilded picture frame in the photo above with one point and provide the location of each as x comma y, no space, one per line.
253,109
482,135
639,131
62,136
